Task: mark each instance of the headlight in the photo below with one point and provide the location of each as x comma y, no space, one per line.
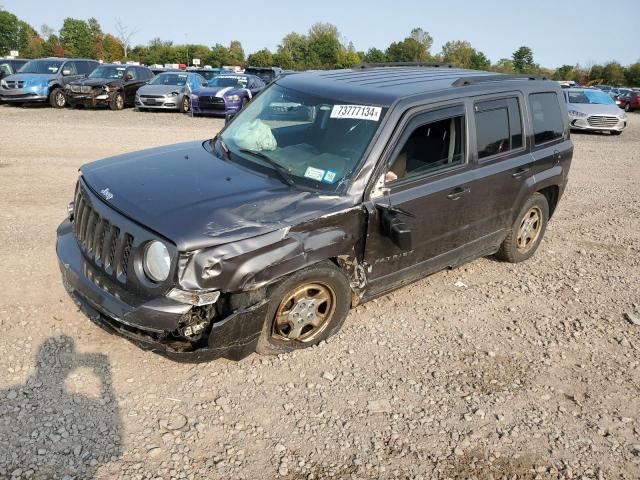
3,83
156,261
173,94
576,113
233,98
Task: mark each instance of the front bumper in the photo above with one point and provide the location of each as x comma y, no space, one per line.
24,95
152,325
198,108
87,99
159,103
587,123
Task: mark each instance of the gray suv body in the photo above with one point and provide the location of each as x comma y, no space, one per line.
44,80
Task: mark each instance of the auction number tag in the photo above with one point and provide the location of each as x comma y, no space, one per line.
314,173
358,112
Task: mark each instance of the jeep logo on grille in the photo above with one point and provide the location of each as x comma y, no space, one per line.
107,194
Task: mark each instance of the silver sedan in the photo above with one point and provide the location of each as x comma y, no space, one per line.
169,91
592,109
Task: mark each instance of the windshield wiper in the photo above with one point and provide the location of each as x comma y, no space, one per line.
282,171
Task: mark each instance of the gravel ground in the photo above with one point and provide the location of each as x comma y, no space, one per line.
527,371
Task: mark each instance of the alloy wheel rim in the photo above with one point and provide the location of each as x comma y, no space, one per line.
119,102
529,230
305,312
185,104
60,100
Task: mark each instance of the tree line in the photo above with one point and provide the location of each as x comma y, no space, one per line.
322,47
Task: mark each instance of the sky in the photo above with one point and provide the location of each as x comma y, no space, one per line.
559,32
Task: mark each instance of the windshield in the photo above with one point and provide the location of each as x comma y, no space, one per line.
266,76
234,81
41,66
178,79
592,97
318,141
108,72
208,74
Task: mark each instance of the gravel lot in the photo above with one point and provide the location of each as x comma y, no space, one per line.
529,371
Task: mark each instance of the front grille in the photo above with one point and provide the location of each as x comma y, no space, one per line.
151,96
101,240
80,88
15,83
214,103
602,121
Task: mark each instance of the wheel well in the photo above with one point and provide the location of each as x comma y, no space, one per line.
551,194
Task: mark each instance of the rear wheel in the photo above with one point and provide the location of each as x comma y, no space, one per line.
306,307
57,98
117,102
627,108
527,231
245,100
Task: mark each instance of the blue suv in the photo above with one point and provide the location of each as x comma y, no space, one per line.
44,80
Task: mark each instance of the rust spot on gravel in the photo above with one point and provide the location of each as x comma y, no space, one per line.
477,464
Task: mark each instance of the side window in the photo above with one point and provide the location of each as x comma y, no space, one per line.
71,68
132,72
429,148
546,117
498,126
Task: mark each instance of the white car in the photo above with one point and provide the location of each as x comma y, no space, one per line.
592,109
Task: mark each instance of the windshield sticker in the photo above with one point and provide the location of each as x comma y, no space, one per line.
120,68
357,112
329,177
314,173
53,69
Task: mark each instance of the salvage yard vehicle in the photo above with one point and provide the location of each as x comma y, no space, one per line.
266,74
169,91
226,93
9,66
114,85
594,110
44,80
629,101
328,190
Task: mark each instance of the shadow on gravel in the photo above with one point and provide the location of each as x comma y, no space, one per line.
64,421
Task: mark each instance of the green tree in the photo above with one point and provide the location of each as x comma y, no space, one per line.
324,47
283,59
565,72
75,38
112,49
596,75
414,48
523,61
423,38
294,48
632,75
479,61
218,56
348,57
613,74
504,65
261,58
374,55
97,38
236,53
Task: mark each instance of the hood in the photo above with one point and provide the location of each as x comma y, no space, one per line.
97,82
219,91
32,78
195,199
159,89
591,109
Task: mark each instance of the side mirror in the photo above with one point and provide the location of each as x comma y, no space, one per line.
66,71
229,116
128,77
398,231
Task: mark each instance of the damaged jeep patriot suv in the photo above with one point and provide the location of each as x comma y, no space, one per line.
329,189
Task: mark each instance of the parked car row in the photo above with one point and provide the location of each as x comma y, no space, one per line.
594,110
87,83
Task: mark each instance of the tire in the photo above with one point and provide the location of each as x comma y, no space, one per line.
245,100
616,132
523,241
627,107
117,101
57,98
185,104
329,308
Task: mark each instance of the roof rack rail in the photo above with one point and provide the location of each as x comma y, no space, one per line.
463,81
404,64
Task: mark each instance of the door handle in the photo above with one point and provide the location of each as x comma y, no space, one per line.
458,192
520,173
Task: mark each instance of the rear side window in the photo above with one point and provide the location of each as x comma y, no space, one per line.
498,126
546,117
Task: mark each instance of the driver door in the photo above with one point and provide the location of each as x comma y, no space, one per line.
427,188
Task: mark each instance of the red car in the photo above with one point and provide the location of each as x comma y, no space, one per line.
629,101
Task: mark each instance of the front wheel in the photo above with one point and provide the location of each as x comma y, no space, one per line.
57,98
306,307
627,108
185,104
117,102
527,231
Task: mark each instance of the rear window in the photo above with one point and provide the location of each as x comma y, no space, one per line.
498,126
546,117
